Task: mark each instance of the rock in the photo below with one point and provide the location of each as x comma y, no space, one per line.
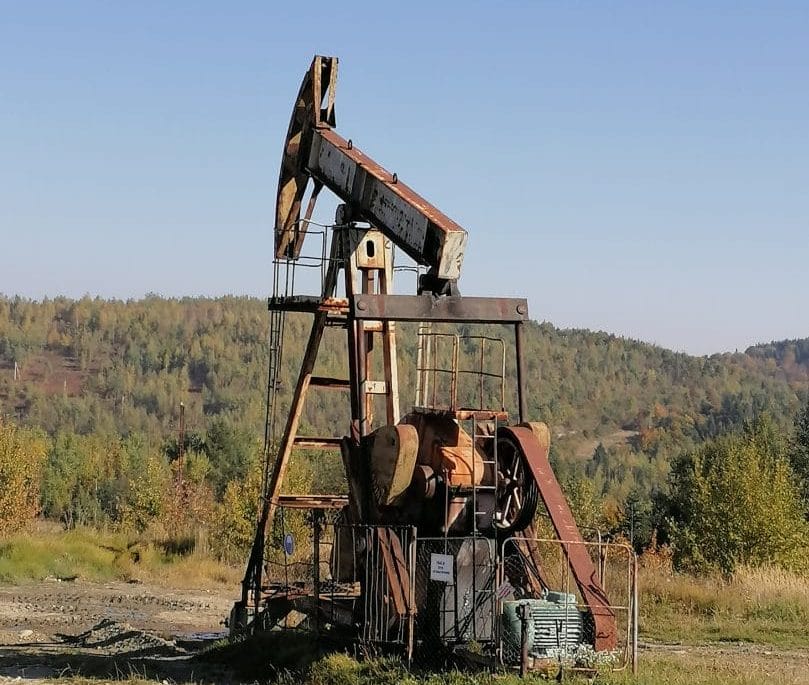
24,634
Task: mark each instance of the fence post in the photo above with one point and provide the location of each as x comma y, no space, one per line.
316,516
411,618
634,560
522,612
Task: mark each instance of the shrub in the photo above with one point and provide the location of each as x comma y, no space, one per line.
733,502
22,457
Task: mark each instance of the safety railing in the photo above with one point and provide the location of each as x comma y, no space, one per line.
441,381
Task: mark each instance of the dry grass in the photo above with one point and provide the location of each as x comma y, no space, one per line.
102,555
764,605
717,666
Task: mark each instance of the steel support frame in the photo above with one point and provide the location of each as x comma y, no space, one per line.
449,309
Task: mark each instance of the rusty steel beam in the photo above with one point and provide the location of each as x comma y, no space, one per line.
308,304
564,523
377,196
443,309
312,501
329,382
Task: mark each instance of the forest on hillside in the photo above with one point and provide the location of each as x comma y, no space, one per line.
91,373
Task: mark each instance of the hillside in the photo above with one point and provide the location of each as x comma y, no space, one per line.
94,364
113,367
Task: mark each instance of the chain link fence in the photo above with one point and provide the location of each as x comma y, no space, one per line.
439,602
324,575
546,622
455,581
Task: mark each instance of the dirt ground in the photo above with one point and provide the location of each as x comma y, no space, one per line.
53,629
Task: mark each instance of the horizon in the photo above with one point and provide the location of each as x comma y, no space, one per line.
635,170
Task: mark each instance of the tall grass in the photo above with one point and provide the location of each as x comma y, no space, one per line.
765,605
97,555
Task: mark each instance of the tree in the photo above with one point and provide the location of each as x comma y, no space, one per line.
733,502
22,456
799,454
230,451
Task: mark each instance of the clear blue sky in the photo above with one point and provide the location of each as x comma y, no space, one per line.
640,168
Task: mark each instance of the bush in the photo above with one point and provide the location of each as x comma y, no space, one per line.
733,502
22,457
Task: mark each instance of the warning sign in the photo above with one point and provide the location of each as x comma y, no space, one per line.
441,567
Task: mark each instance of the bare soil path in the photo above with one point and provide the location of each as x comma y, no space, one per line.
113,629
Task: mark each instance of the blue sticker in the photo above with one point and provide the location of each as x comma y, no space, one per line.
289,545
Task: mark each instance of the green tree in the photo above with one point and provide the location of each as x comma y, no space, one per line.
230,451
799,454
733,502
22,455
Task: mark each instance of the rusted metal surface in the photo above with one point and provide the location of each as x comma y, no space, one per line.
319,83
314,152
393,560
444,309
308,304
312,501
375,195
581,565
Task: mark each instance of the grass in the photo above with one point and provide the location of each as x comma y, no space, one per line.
96,555
741,631
685,667
765,606
715,668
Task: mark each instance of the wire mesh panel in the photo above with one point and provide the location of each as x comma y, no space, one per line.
545,621
322,574
379,558
455,580
296,564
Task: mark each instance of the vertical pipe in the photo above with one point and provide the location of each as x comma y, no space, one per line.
420,369
503,376
354,377
520,379
411,618
482,368
317,515
474,488
360,341
454,380
522,610
634,562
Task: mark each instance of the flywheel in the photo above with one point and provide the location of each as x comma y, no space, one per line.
517,493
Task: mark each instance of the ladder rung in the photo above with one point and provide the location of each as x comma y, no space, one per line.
317,443
327,382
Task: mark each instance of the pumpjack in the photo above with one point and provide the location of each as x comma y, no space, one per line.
449,470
